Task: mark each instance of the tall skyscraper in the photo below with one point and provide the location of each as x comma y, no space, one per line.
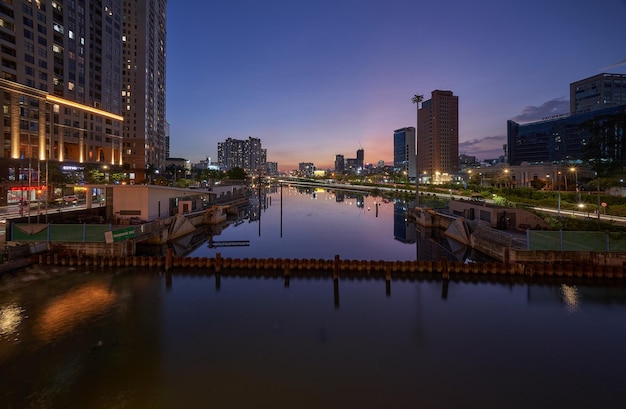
143,76
598,92
82,83
438,134
404,151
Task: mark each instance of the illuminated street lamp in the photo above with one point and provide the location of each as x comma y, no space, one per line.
559,188
417,98
573,169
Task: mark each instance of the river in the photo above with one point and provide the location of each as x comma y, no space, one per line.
128,338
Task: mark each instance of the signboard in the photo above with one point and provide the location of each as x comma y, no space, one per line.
119,235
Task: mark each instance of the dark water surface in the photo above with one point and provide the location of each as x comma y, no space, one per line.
308,223
128,339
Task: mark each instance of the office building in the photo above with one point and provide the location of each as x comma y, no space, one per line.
360,158
559,140
340,164
597,93
438,135
404,152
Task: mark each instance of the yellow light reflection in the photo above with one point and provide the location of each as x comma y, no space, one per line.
72,309
10,319
570,297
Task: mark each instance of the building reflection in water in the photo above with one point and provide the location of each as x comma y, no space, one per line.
66,312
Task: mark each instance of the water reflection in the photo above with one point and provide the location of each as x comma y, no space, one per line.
76,307
10,318
570,297
179,340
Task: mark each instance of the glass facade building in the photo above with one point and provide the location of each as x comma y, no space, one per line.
558,140
404,151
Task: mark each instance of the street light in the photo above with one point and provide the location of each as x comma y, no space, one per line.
559,188
417,98
573,169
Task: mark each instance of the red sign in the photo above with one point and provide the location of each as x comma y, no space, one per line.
603,204
14,188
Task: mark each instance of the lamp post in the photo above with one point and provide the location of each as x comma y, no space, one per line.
417,98
558,182
573,169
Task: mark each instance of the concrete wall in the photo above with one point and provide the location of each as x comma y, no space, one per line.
497,216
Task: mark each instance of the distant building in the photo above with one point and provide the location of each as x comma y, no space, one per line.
597,93
244,154
404,151
360,157
340,164
467,160
438,134
306,169
271,168
205,164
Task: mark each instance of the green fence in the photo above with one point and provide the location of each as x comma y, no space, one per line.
577,241
76,233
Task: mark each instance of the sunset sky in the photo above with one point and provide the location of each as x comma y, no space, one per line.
317,78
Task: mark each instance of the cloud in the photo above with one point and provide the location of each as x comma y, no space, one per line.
617,64
556,106
489,147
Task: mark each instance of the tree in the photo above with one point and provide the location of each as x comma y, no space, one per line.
605,151
236,173
150,172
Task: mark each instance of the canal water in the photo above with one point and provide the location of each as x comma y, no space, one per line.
126,338
311,223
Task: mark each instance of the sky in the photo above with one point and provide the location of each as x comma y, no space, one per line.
317,78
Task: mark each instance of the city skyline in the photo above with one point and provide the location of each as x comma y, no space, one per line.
316,80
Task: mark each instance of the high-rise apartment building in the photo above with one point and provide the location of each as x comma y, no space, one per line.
245,154
438,135
61,81
598,92
404,151
143,76
81,83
